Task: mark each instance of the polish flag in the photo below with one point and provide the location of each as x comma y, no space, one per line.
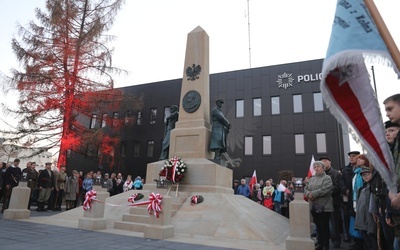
345,86
311,171
253,182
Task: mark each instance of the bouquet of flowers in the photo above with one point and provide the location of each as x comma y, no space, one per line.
174,170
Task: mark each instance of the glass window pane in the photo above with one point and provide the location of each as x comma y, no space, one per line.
318,103
275,107
104,120
128,117
267,149
150,148
167,113
248,145
153,116
299,143
139,118
321,143
115,119
239,108
297,104
93,121
136,149
257,107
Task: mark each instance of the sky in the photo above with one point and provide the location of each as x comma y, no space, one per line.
151,36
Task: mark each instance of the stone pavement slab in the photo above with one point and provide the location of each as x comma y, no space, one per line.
18,235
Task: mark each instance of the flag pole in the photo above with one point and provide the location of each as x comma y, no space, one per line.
383,30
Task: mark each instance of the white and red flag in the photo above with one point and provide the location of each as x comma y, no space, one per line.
253,182
311,171
345,84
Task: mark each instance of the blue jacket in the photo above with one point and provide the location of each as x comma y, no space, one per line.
244,190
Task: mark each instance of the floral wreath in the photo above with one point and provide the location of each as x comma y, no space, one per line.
196,199
174,170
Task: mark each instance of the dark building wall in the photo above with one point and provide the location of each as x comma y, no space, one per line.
232,86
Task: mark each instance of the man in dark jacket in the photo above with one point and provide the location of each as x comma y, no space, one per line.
11,179
347,190
336,216
46,183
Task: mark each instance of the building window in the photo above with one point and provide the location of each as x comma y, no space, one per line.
318,104
115,119
167,113
123,149
297,104
91,150
128,117
275,106
150,148
267,148
248,145
299,143
153,116
93,121
239,108
257,107
321,142
136,149
139,118
104,120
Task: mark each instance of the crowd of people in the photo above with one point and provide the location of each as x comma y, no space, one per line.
268,194
50,188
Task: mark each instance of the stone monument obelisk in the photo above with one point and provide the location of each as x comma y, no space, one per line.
190,138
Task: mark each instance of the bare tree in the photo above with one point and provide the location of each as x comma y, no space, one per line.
65,66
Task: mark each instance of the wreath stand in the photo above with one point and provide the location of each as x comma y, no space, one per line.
176,191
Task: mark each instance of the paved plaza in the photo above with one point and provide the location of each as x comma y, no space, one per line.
19,235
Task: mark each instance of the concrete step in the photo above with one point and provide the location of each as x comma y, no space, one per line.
136,218
130,226
140,210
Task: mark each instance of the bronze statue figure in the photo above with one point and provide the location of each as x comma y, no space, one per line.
220,130
169,125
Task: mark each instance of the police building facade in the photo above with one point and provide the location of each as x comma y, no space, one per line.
277,115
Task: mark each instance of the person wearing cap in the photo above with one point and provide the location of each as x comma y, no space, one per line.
235,186
11,179
391,131
71,190
346,189
59,192
364,220
46,183
31,178
169,125
318,191
336,216
220,130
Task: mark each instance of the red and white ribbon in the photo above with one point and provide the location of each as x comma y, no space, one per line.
175,160
155,204
89,197
132,198
193,200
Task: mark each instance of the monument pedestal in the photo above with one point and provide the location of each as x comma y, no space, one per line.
18,204
300,234
203,176
161,228
94,218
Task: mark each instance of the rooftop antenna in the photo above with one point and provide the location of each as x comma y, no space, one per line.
248,29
